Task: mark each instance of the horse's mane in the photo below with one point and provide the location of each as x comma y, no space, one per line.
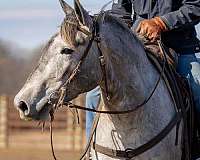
110,19
46,47
120,29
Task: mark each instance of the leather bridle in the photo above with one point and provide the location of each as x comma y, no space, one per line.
128,153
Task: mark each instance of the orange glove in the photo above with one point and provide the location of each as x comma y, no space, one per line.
152,28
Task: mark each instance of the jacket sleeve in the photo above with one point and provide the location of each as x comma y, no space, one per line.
125,5
188,13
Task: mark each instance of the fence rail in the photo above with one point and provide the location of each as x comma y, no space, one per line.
68,134
4,121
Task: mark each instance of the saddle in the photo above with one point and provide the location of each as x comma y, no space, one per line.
180,91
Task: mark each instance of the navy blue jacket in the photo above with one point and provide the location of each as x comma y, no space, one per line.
179,15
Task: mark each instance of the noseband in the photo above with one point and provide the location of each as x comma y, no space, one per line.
128,153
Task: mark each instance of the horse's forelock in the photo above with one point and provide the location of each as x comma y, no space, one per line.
69,29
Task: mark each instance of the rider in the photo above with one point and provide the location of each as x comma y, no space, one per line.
174,21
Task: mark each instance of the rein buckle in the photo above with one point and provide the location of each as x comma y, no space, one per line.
97,39
102,60
129,153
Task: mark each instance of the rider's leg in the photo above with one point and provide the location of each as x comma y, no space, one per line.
92,101
189,67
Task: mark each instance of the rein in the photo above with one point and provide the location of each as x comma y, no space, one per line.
60,95
128,153
71,105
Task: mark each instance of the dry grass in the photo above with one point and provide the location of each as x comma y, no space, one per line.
35,154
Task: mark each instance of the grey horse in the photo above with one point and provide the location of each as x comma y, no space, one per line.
130,78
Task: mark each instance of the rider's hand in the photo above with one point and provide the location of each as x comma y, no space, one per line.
152,28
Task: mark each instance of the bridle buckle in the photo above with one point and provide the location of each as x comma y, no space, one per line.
52,97
97,39
102,60
129,154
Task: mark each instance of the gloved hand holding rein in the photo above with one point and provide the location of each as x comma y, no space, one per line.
152,28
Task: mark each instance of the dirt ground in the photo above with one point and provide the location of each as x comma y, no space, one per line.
35,154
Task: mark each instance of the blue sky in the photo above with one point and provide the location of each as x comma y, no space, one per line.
31,22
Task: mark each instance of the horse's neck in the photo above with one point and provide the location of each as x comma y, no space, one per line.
129,73
131,77
129,85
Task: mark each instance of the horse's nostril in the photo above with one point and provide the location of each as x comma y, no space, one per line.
23,107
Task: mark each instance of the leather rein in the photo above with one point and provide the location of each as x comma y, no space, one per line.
128,153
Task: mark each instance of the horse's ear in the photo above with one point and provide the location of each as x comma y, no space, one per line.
82,14
66,7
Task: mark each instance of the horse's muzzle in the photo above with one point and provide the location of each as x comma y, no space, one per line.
23,107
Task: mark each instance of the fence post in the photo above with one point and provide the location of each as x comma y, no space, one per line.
3,122
79,139
70,132
82,124
76,133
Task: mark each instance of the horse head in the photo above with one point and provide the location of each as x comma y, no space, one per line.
60,58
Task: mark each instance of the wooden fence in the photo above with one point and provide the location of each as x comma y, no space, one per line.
3,122
68,135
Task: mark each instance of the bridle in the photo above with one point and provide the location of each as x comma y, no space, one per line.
95,37
128,153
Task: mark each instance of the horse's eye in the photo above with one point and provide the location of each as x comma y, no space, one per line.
66,51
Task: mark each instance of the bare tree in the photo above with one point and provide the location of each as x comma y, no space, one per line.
14,69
